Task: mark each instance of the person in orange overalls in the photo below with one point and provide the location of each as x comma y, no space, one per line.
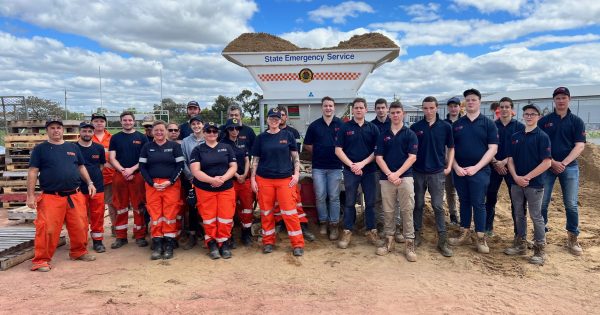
102,137
60,167
275,173
213,165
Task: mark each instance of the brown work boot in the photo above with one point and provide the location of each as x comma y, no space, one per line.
387,247
462,239
481,242
345,241
539,254
519,247
85,257
409,250
373,238
334,232
573,244
323,228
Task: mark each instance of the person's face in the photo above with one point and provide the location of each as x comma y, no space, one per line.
531,117
381,110
328,108
473,103
359,110
429,110
396,115
505,110
196,126
453,109
99,124
173,132
211,134
127,122
273,122
159,132
235,114
283,118
55,131
193,111
148,129
233,132
561,102
86,134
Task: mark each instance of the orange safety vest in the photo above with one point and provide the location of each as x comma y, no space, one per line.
107,172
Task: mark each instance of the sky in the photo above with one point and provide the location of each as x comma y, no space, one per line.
47,46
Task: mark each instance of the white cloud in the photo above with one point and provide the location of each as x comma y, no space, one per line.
423,12
338,14
489,6
550,39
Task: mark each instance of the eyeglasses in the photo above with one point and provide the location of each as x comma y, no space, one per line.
173,130
234,128
209,131
530,114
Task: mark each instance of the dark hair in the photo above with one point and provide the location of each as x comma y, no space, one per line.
380,101
327,98
359,100
494,105
159,122
235,107
396,104
472,92
430,99
282,109
126,113
507,99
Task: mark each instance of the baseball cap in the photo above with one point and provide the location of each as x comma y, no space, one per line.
532,106
210,125
54,120
232,122
472,92
561,90
454,100
98,115
86,124
148,121
274,112
196,118
193,104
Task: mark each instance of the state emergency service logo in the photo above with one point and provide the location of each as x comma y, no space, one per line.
306,75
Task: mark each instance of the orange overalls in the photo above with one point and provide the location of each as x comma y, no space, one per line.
245,202
216,208
124,193
164,207
301,215
95,206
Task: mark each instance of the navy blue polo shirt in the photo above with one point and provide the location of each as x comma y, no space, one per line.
504,136
240,151
563,133
322,137
127,147
274,153
161,161
295,133
246,136
528,150
58,165
433,141
358,142
383,126
93,159
213,162
448,120
395,149
471,139
185,130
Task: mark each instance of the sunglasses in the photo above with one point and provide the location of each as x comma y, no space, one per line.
209,131
173,130
234,128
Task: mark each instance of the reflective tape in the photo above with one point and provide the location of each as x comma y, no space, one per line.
155,222
121,227
209,221
138,227
177,159
97,234
301,215
295,233
247,225
299,204
226,221
247,211
289,212
221,240
179,217
122,211
277,213
171,221
143,160
170,234
206,237
266,213
269,232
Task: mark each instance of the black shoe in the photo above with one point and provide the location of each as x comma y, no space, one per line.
418,238
267,249
308,235
231,242
191,242
98,246
169,246
453,219
246,237
225,251
119,242
157,248
141,242
213,250
298,251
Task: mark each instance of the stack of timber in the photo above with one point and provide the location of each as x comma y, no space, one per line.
16,245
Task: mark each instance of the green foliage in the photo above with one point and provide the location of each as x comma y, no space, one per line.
177,111
249,102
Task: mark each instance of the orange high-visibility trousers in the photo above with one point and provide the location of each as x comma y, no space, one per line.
95,210
270,190
301,215
245,202
216,209
163,207
52,212
126,192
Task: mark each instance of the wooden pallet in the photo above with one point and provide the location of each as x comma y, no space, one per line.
17,167
36,137
16,245
22,213
14,174
38,126
12,205
18,189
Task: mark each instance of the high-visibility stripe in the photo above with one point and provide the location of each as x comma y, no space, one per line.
143,160
295,233
269,232
155,222
301,215
226,221
247,225
206,237
179,159
179,217
121,227
209,221
170,234
221,240
97,234
171,221
299,204
277,213
247,211
138,227
289,212
266,213
122,211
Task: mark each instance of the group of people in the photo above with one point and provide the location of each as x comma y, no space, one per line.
225,168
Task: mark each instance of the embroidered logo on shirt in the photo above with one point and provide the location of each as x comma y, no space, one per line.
349,133
387,138
222,150
420,132
70,153
283,141
137,142
242,137
457,128
95,156
168,150
548,125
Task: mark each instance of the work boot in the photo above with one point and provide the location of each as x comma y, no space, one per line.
519,247
481,242
573,244
387,247
191,242
345,241
373,238
98,246
442,245
298,251
418,238
231,242
398,234
308,235
213,250
453,219
462,239
334,232
119,242
323,228
43,269
157,248
141,242
409,250
380,230
85,257
539,254
246,237
169,246
267,249
225,250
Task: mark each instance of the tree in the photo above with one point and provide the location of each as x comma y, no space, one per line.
248,104
209,115
177,111
220,107
39,108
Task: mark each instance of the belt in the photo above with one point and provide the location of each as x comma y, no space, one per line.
66,193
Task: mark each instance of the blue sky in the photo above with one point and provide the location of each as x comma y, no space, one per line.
447,46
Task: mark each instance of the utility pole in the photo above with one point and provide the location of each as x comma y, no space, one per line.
161,94
65,103
100,80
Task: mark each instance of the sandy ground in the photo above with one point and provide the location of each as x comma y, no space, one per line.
328,279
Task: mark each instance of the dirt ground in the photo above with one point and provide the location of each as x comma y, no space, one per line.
328,279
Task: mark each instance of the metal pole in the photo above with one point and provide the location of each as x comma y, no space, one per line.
261,115
161,93
100,80
4,112
65,103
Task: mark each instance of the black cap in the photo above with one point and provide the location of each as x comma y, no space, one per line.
210,125
86,124
472,92
561,90
193,104
98,115
454,100
233,122
274,112
54,120
532,106
196,118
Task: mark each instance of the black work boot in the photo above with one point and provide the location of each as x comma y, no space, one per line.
119,242
141,242
298,251
418,238
98,246
308,235
191,242
213,250
442,245
169,246
225,250
157,248
246,237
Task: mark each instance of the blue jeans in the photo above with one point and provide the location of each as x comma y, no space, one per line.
367,183
471,195
327,184
492,198
434,183
569,184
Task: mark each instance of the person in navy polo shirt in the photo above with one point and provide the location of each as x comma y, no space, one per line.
435,141
507,126
94,159
326,167
567,135
193,109
355,146
383,122
395,154
528,159
475,144
453,107
247,135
